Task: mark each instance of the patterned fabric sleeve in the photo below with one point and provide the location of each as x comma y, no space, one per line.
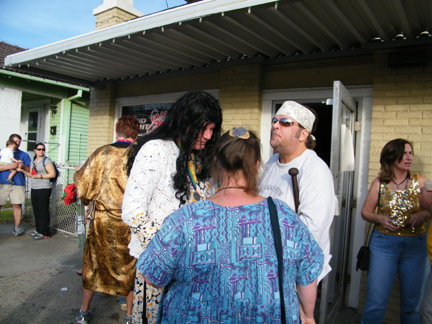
311,263
310,257
149,194
159,260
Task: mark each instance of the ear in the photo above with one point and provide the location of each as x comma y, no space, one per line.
257,164
303,135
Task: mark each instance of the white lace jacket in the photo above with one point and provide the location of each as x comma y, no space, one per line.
150,195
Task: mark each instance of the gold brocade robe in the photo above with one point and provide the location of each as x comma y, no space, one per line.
107,265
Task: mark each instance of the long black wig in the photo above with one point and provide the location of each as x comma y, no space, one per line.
185,120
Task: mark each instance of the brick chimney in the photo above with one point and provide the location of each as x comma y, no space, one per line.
113,12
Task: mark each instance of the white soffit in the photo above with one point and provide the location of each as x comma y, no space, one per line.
211,34
175,15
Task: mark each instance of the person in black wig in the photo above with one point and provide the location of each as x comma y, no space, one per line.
168,168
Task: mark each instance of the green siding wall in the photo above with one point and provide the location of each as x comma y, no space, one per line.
78,134
54,149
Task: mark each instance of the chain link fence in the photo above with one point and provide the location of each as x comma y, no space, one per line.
63,218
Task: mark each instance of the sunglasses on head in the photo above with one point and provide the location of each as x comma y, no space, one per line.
285,122
40,149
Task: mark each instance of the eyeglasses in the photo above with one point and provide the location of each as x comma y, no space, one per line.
40,149
285,122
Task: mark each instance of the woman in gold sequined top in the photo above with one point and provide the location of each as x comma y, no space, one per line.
398,242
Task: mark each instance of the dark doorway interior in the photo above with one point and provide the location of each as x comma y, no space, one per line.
323,130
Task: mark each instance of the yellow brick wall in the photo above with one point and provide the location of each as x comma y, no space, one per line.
240,96
402,108
101,119
112,17
201,81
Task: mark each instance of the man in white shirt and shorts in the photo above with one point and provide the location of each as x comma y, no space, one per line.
15,192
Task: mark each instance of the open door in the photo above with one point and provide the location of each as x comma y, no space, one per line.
33,129
342,167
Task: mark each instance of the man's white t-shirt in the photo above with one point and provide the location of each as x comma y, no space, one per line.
316,195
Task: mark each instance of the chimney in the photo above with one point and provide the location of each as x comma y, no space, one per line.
113,12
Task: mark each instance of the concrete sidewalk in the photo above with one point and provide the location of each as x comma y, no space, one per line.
39,284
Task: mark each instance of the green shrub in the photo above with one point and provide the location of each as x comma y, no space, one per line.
6,216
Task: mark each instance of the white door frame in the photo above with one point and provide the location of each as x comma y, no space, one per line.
43,123
363,94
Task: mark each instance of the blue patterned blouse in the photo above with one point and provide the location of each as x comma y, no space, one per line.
220,264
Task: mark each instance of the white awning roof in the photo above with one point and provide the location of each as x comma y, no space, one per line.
211,34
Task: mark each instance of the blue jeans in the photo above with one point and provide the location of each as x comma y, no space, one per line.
390,254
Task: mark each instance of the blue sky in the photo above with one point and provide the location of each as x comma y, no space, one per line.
34,23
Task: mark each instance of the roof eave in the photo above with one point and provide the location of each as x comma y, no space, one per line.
157,20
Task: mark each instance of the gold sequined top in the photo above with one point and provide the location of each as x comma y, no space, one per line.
399,206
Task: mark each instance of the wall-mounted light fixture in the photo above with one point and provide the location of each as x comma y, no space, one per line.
53,109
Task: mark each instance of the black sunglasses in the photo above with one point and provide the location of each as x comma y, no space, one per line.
40,149
285,122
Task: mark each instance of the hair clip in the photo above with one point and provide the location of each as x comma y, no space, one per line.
239,132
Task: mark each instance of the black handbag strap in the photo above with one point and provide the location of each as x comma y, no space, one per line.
279,250
372,225
367,241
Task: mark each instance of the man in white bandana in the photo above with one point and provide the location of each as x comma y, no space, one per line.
293,142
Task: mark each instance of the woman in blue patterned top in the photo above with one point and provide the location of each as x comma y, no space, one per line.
217,257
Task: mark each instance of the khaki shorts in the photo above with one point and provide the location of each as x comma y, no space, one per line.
15,193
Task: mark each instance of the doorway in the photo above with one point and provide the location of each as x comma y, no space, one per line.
33,124
331,147
33,128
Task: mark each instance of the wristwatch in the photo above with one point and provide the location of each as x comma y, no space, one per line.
41,176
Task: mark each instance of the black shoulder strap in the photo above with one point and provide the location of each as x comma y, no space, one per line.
279,252
43,163
372,225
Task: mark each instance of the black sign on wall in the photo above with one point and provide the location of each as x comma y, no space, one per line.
149,116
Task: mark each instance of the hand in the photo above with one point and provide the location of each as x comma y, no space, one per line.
304,318
308,320
418,218
78,168
16,166
387,224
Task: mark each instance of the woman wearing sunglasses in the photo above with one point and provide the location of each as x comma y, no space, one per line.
41,171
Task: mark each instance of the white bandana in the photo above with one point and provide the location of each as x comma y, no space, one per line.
300,113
